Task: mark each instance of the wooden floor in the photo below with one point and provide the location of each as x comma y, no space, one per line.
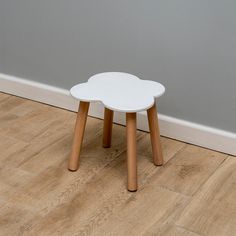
193,194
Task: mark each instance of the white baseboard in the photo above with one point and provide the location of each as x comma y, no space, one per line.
186,131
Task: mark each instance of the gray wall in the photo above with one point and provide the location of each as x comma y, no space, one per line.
1,37
188,45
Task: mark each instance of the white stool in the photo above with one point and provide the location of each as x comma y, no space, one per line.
118,92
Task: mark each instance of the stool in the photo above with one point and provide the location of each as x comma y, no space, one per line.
121,92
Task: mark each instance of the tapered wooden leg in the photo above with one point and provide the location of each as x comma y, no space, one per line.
155,135
131,151
107,127
78,135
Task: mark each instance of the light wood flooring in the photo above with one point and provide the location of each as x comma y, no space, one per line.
193,194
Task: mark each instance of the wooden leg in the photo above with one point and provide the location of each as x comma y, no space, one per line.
155,135
78,135
107,127
131,151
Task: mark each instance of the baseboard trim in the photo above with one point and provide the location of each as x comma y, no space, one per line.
197,134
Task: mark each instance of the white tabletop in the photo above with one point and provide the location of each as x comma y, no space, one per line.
119,91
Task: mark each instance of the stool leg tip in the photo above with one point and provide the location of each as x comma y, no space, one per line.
106,146
72,169
132,190
158,164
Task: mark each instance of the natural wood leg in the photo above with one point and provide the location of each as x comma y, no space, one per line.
78,135
107,127
155,135
131,151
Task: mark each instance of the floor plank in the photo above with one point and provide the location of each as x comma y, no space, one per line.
176,231
213,210
4,96
10,102
189,169
12,216
192,194
96,201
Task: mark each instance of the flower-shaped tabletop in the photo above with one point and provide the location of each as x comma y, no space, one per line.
119,91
